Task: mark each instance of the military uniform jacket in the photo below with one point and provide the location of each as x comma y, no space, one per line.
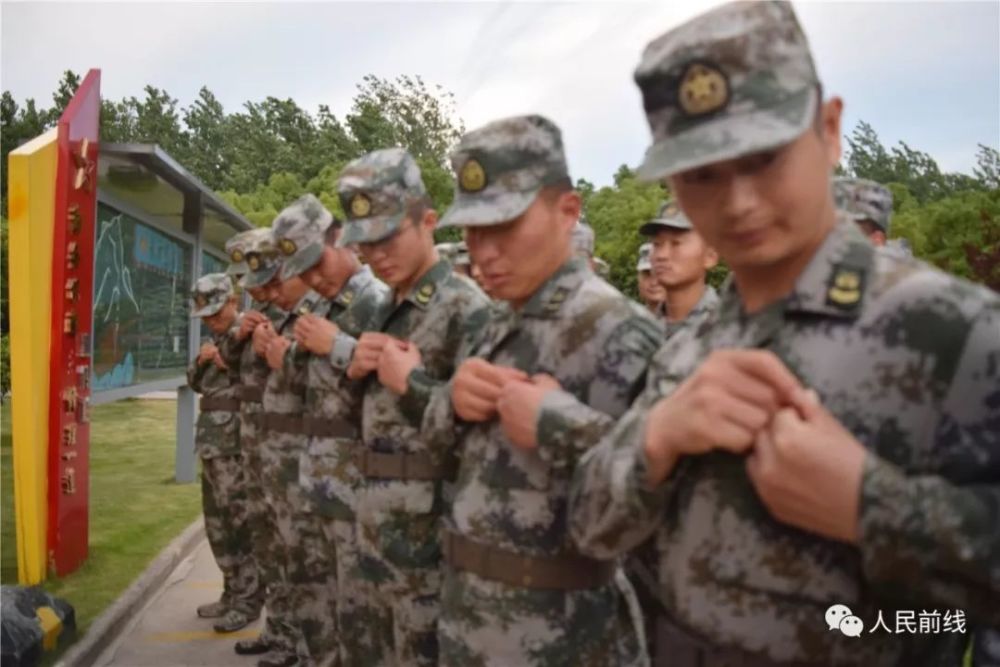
284,393
597,344
217,432
240,355
331,396
908,360
706,305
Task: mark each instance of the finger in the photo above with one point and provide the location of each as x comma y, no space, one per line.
766,366
480,389
475,408
746,415
751,389
731,437
786,430
808,405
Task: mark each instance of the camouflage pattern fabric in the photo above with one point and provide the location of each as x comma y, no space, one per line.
210,293
733,81
328,472
908,360
501,167
298,233
583,240
644,263
669,216
303,564
279,630
861,199
237,248
399,552
375,191
597,344
223,485
263,260
702,310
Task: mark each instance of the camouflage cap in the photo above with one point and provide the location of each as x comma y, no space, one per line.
645,257
602,268
670,216
583,239
375,191
237,247
447,251
462,255
299,234
733,81
862,199
501,167
264,262
210,293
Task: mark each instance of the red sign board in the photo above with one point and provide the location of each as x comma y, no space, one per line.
70,356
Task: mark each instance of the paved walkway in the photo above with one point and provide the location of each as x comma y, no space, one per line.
168,632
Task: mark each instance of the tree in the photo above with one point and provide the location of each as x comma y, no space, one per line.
987,170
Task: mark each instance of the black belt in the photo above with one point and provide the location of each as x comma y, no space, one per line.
329,427
280,423
250,394
400,466
219,404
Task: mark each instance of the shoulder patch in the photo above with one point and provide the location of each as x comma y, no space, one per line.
845,287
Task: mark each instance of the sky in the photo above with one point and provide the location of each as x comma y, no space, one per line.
927,73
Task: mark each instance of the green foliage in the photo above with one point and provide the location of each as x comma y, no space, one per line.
960,234
616,213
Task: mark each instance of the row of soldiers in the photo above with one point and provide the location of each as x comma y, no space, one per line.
406,469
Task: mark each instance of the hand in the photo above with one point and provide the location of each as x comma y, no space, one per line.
722,405
262,336
518,407
218,361
315,334
366,354
807,469
476,388
248,323
276,352
207,352
397,361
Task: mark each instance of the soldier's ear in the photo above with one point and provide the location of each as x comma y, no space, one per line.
830,115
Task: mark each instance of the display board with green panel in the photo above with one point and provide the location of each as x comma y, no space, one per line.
140,302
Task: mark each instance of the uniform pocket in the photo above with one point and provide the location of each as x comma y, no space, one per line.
513,468
217,434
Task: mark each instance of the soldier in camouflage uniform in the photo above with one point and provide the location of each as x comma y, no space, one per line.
832,435
400,499
328,471
651,292
239,354
515,590
302,567
223,484
870,205
681,259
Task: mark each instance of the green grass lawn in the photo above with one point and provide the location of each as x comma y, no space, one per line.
135,506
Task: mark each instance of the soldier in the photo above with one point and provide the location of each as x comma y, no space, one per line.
217,440
825,450
303,568
651,292
870,205
327,469
867,203
681,259
516,592
400,499
278,635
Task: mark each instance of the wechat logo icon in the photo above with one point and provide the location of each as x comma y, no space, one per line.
840,617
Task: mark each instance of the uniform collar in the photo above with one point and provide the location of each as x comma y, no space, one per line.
548,300
833,284
354,286
427,287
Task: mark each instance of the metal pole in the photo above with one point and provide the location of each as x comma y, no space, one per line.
184,457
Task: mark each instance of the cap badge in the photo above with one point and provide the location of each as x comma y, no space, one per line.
472,176
704,89
200,300
253,261
287,247
236,256
361,206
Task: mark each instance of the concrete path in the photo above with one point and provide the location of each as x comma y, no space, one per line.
168,632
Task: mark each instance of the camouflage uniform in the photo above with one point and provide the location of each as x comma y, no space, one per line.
328,472
278,634
223,484
301,565
860,199
540,603
905,357
400,499
644,263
